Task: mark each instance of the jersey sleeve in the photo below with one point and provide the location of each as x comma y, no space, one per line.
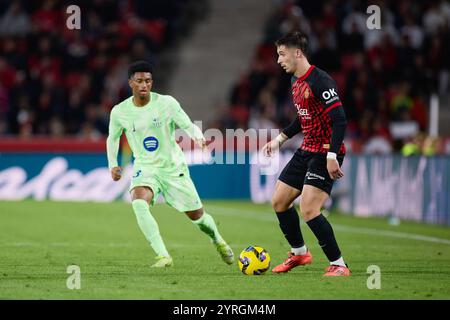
183,121
325,90
293,128
113,140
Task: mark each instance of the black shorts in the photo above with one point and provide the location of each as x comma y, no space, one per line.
308,168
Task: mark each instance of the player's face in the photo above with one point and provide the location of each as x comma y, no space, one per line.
287,58
141,84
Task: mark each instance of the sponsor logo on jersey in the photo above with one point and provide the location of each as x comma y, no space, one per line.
327,94
303,112
330,95
156,122
151,144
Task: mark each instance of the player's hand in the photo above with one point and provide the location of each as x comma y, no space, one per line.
116,173
271,147
201,143
334,170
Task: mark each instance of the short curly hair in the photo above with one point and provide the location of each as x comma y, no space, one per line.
139,66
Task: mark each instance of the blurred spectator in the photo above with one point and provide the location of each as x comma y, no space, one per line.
47,18
377,145
402,102
436,17
422,144
430,146
414,146
355,21
413,32
15,21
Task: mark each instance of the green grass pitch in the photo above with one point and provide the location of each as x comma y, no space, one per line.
39,240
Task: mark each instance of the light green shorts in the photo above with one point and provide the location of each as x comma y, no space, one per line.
177,188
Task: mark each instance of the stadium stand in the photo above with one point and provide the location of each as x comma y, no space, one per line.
57,82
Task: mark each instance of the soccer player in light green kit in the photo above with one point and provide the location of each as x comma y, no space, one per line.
148,120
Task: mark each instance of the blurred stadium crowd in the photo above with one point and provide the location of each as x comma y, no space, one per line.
385,77
55,81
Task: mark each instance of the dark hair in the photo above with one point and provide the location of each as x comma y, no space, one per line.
139,66
294,39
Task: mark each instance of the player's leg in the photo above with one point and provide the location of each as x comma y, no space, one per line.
179,192
205,222
142,197
282,202
287,189
316,191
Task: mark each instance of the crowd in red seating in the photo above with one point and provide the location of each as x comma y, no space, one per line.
59,81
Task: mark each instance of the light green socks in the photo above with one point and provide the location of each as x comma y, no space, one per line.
149,226
207,225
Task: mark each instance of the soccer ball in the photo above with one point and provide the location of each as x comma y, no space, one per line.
254,260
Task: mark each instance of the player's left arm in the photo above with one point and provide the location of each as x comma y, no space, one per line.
183,121
326,91
287,133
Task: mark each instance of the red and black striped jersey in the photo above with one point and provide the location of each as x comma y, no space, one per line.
314,95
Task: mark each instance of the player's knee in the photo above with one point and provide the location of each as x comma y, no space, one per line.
142,193
195,215
308,210
279,205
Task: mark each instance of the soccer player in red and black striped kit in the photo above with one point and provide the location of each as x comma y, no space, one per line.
316,164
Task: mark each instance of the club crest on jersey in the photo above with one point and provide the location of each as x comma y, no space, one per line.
151,144
156,122
306,95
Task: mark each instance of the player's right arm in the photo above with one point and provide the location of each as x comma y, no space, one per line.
112,146
272,146
183,121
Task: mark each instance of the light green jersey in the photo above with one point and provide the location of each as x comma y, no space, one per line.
150,131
